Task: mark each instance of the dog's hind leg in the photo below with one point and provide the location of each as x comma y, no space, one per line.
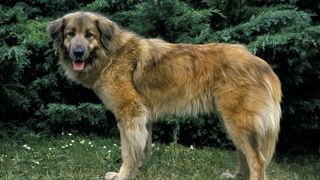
242,171
147,149
248,143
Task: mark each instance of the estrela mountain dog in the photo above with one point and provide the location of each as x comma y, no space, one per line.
141,80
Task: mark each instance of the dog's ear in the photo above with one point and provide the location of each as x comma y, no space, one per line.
106,29
55,30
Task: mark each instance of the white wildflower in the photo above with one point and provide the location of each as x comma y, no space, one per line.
36,162
65,146
191,147
26,147
82,142
69,134
72,141
104,147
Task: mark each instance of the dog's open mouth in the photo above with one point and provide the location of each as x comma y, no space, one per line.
78,65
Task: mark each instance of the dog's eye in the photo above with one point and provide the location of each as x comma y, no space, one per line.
89,35
71,34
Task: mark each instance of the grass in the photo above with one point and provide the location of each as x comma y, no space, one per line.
71,157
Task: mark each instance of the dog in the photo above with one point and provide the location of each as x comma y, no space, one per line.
141,80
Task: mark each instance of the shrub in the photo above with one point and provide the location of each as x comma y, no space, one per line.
83,118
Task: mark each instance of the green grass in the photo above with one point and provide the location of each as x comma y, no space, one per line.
70,157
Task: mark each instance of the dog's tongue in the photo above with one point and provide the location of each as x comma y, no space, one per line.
78,65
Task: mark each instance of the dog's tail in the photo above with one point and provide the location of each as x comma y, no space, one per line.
271,117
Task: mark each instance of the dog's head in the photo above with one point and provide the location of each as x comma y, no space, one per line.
79,36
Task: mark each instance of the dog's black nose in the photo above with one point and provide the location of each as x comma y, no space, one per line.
78,52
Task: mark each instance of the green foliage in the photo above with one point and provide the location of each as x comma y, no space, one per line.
268,22
110,7
84,117
171,20
34,92
34,34
202,131
13,61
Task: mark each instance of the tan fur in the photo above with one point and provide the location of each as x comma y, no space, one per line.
141,80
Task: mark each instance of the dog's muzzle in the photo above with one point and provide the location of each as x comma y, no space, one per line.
78,59
78,52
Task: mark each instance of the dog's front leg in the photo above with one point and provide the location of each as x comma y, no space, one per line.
118,93
134,137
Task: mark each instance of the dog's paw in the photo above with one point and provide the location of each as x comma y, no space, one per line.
227,175
111,176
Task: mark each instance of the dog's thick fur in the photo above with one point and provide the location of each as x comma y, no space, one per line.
141,80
